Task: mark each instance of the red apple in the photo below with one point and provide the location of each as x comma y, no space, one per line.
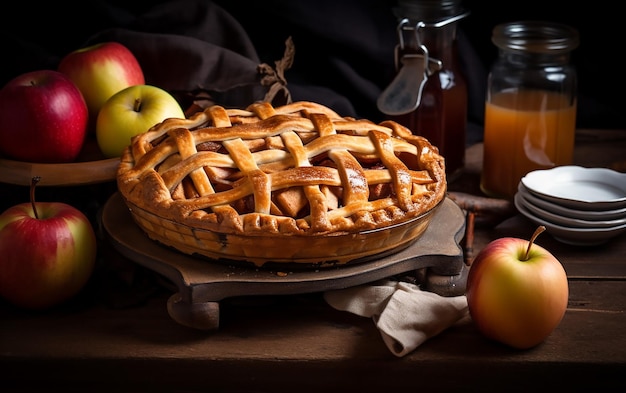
100,71
517,291
43,118
47,253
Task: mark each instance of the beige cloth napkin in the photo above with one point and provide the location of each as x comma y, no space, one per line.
405,315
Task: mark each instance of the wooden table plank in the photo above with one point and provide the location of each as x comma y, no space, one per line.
275,341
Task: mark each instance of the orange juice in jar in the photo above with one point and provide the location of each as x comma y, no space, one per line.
524,131
530,107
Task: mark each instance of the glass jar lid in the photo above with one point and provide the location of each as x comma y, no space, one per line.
535,37
428,10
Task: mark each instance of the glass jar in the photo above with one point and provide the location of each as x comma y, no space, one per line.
530,107
429,92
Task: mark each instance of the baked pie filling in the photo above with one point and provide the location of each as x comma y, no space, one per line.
296,183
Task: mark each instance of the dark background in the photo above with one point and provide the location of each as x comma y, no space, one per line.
343,59
344,49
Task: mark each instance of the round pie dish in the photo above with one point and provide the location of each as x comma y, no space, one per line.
296,184
269,250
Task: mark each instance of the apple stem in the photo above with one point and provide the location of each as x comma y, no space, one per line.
538,231
33,183
137,107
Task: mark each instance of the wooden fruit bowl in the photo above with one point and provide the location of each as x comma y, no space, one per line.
89,168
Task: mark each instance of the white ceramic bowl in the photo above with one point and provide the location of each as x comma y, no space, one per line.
564,220
579,187
573,236
555,208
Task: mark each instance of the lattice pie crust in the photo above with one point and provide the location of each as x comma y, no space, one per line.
232,183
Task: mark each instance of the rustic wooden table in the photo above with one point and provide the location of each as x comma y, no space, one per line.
118,336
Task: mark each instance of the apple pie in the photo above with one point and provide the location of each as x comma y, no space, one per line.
296,183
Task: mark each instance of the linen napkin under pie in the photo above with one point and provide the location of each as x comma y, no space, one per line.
405,315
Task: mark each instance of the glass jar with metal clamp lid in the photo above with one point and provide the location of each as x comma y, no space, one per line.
429,92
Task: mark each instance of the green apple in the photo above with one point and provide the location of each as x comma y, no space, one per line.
132,111
517,291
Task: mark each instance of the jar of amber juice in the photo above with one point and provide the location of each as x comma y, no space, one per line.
530,107
429,93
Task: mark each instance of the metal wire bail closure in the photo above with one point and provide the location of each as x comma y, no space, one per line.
404,94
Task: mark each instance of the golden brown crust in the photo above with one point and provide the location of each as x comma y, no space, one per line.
300,169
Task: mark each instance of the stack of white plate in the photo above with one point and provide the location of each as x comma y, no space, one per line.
577,205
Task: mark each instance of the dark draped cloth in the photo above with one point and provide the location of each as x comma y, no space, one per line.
234,51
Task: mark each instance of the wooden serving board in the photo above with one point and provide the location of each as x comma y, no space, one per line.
202,283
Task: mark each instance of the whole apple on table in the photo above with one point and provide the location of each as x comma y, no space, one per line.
43,118
517,291
47,253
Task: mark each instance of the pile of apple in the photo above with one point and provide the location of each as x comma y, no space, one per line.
48,249
47,115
